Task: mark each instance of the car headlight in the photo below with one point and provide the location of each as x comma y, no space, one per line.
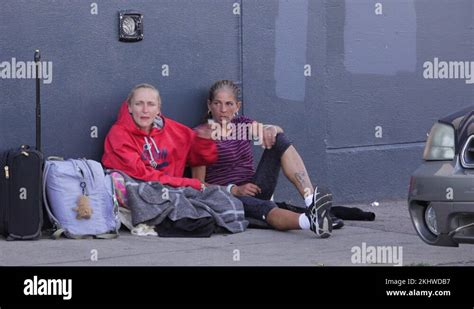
430,219
440,143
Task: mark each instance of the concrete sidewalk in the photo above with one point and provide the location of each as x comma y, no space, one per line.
392,227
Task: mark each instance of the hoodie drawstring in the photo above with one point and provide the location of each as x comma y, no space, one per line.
148,147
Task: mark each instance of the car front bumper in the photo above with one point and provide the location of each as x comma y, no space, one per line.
449,189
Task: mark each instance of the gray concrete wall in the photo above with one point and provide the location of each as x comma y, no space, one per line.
345,79
361,118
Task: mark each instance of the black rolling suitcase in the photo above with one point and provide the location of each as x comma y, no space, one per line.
21,212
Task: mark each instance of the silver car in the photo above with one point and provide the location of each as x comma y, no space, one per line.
441,193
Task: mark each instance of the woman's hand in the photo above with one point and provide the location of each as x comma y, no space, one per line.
269,136
204,131
248,189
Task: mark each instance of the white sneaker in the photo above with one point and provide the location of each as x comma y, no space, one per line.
144,230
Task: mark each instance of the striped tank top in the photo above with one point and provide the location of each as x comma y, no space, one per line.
235,158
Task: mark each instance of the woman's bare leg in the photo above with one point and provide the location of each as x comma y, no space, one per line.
295,170
283,220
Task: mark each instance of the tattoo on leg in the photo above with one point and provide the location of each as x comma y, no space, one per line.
300,176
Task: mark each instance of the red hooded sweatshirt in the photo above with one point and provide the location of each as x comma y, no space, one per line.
160,156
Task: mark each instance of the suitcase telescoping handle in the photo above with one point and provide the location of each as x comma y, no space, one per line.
38,103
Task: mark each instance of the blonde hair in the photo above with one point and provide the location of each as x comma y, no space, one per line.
143,86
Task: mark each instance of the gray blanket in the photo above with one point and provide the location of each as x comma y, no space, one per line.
152,202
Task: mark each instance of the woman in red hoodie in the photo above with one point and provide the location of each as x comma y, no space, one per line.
148,146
